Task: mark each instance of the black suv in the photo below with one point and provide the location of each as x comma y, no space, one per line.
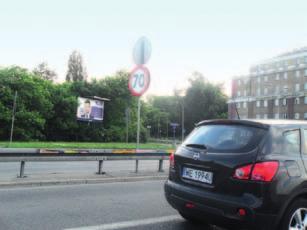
242,174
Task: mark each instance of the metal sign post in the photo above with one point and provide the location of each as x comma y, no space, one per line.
139,124
139,79
174,126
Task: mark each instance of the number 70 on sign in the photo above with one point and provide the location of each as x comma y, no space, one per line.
139,80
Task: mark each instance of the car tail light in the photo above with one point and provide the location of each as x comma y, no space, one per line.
264,171
261,171
243,173
172,161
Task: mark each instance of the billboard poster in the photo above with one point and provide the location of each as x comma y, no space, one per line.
90,109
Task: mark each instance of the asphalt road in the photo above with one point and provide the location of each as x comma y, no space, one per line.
130,205
11,169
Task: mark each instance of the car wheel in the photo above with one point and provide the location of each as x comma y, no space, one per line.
296,216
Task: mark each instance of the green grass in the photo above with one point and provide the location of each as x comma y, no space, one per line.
83,145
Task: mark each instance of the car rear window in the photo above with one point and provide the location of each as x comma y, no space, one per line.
226,138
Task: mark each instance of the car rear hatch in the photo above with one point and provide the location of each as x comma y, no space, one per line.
210,155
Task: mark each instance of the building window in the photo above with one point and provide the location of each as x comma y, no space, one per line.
285,89
277,89
297,101
244,104
297,73
257,103
265,103
277,77
305,116
239,93
265,91
296,116
297,87
285,116
258,91
265,116
285,75
284,102
276,115
305,100
276,102
265,78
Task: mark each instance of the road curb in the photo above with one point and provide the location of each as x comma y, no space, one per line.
80,181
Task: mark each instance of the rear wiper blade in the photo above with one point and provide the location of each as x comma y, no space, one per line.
198,146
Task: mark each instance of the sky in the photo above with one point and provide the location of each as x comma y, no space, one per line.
220,39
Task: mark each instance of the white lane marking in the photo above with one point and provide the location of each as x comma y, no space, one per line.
129,224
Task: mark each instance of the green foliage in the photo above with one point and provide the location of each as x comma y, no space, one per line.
47,111
34,104
203,101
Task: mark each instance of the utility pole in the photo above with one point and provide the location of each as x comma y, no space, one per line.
167,128
158,127
13,117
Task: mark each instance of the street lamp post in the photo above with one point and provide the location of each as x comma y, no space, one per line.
13,117
181,94
182,121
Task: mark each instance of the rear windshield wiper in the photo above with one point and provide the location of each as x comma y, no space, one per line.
198,146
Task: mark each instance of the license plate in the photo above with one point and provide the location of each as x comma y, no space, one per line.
197,175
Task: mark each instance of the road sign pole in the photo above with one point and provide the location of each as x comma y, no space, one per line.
138,133
139,123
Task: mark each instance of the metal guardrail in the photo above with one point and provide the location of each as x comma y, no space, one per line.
24,155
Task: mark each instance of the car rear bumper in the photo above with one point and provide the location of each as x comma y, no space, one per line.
218,209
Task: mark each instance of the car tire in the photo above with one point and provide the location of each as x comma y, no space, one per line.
295,212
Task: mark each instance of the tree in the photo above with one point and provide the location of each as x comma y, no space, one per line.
203,100
45,72
76,69
34,104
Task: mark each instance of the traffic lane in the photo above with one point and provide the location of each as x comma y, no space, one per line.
167,222
176,225
74,206
11,169
59,207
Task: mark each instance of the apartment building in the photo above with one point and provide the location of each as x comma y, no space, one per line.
273,89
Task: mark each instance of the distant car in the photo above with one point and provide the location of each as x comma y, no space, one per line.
242,174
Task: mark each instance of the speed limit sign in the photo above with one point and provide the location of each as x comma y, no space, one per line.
139,80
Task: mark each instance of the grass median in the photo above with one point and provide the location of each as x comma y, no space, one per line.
83,145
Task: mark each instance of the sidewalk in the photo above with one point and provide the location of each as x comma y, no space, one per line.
81,178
